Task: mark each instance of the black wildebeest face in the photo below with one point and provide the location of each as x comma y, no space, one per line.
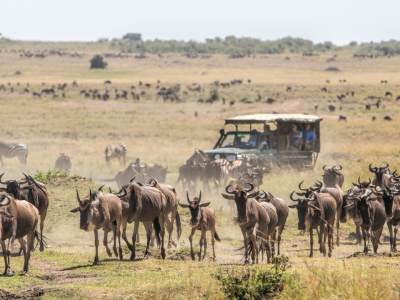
329,176
13,186
387,197
379,171
195,209
309,191
86,209
240,197
304,210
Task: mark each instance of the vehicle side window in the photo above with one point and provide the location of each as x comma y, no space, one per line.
228,141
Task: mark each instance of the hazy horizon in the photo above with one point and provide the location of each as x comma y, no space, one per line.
339,22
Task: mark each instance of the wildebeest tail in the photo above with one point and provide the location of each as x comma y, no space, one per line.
178,225
216,236
38,237
157,229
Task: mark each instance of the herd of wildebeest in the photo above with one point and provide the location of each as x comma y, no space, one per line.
145,198
175,93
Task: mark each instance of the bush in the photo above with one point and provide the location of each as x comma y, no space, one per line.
215,95
44,177
97,62
255,283
246,100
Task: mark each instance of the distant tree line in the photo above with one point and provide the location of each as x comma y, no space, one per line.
231,44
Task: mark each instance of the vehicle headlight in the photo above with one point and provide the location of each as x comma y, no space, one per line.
231,158
217,156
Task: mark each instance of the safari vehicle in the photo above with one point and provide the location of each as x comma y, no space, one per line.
232,145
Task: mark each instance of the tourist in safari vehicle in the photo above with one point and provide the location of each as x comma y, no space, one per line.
295,140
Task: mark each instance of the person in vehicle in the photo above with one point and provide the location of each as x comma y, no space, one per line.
295,138
263,143
252,141
308,136
267,129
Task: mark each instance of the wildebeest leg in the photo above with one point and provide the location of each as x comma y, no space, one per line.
135,232
105,241
338,214
311,243
42,217
280,229
161,219
390,227
330,237
253,238
273,237
118,229
96,243
358,233
202,239
191,243
123,225
213,241
115,241
394,239
364,234
149,229
6,254
23,247
378,234
322,243
244,233
173,219
169,226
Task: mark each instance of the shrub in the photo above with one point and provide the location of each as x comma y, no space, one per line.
215,95
97,62
246,100
254,283
43,176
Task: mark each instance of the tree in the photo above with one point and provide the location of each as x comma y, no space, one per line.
132,36
97,62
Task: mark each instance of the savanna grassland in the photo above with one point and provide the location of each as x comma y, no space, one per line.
168,133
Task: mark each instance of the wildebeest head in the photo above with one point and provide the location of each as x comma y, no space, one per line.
332,176
362,184
240,196
4,202
387,196
304,209
264,197
379,172
194,206
309,191
13,186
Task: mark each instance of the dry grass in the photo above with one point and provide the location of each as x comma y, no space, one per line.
167,133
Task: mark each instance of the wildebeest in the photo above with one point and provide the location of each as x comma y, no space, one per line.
99,210
252,218
387,118
388,94
333,176
157,171
18,219
311,215
323,89
373,217
63,162
32,191
331,108
115,150
172,200
335,192
203,219
107,82
344,118
288,89
144,204
133,170
382,176
282,211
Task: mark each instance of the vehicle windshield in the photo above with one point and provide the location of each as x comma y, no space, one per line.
244,140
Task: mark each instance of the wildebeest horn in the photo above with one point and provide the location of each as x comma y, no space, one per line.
101,188
90,195
315,196
340,167
77,196
323,168
301,187
30,177
199,198
119,193
373,170
264,194
150,180
317,186
132,179
187,197
26,179
227,190
109,188
5,182
250,189
359,180
291,197
9,200
387,165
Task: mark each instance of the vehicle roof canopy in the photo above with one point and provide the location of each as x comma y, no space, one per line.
268,118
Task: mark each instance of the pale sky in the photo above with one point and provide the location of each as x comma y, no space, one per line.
339,21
